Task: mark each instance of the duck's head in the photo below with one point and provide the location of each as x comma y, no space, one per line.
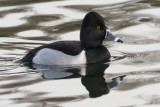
94,30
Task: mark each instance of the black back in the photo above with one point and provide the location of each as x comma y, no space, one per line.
68,47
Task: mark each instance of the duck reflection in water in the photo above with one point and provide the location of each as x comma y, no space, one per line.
92,76
95,82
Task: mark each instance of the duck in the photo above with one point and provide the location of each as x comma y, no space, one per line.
88,50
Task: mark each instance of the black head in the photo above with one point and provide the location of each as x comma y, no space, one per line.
94,31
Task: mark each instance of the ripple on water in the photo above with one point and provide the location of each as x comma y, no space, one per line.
149,31
151,12
115,55
17,40
31,33
138,54
143,19
67,36
138,58
146,58
37,19
13,19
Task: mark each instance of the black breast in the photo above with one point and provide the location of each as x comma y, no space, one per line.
99,54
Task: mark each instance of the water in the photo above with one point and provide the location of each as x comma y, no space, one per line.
28,24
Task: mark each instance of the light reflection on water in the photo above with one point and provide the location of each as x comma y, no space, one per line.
28,24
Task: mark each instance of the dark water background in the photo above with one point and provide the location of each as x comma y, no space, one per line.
25,24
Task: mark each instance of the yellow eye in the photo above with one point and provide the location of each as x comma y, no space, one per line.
98,27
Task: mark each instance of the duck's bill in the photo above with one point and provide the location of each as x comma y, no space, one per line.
110,36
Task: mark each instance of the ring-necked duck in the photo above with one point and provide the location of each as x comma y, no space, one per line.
88,50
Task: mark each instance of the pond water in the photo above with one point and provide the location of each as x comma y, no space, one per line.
131,79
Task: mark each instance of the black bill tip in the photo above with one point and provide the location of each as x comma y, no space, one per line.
119,41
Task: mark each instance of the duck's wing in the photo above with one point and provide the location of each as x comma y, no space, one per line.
68,47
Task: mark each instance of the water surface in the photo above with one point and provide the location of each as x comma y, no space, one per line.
27,24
